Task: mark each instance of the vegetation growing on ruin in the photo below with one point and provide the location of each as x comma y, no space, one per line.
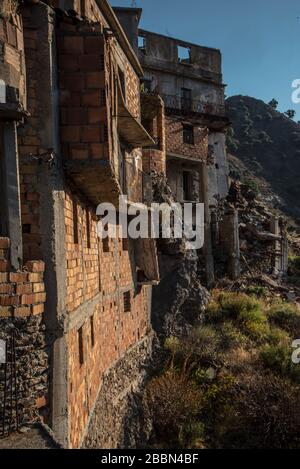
231,383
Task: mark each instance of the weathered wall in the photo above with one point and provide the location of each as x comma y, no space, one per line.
175,144
24,379
116,421
175,179
205,62
218,170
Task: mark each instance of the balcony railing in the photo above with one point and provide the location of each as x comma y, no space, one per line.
175,103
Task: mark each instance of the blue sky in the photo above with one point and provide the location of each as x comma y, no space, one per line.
259,40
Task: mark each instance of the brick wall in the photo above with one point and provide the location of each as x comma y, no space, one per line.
154,160
98,274
175,144
12,63
82,82
103,273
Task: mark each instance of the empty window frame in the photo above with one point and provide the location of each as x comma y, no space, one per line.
125,244
184,54
188,134
80,346
105,244
146,85
186,99
127,301
187,183
142,43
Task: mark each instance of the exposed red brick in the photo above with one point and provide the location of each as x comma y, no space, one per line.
35,267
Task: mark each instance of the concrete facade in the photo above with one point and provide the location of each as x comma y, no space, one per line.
188,78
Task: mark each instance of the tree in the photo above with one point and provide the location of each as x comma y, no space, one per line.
290,113
273,103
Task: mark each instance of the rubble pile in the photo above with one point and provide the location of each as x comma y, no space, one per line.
258,245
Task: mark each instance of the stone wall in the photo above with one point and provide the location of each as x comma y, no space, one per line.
116,421
24,372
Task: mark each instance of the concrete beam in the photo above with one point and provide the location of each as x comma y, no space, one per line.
12,193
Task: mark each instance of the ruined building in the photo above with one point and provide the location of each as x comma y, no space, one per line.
75,323
90,107
188,80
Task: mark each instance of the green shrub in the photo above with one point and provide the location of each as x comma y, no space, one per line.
286,316
257,290
230,336
245,311
279,359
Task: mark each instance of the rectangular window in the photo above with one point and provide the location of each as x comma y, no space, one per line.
125,244
188,134
92,331
80,346
186,99
127,301
184,54
88,229
75,221
105,244
146,85
142,43
187,185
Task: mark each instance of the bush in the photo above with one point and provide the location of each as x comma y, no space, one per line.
244,310
257,290
286,316
173,403
279,359
266,413
200,347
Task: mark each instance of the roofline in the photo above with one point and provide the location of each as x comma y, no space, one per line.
182,41
138,11
111,18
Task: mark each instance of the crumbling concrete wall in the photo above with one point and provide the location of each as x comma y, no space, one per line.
218,169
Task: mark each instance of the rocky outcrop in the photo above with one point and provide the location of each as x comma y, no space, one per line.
179,300
268,143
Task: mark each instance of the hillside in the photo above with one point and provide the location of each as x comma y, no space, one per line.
268,143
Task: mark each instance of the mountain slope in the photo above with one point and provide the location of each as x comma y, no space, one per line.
268,143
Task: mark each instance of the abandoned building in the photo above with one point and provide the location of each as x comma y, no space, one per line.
90,107
74,310
192,148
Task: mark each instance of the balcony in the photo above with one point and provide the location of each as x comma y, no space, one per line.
192,106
